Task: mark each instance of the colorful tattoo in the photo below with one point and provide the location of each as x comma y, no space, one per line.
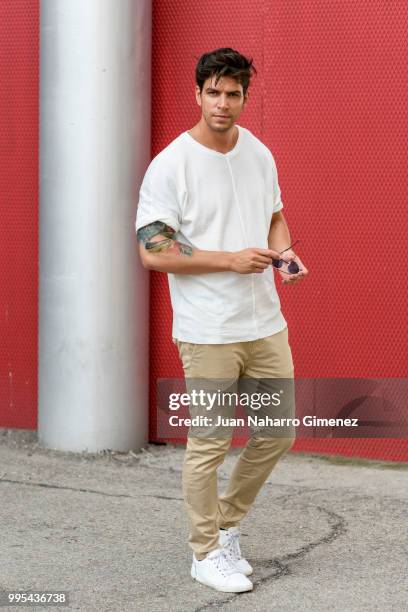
169,245
153,229
160,245
157,228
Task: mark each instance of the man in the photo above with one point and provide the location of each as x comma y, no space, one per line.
210,216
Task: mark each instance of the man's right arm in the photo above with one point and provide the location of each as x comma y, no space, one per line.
161,252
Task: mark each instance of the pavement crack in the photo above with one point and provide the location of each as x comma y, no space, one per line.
82,490
282,566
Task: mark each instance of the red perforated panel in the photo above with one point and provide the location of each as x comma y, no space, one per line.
330,101
19,78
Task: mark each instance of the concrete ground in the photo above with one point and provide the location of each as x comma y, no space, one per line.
324,534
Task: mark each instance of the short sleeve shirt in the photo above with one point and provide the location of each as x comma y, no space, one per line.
217,202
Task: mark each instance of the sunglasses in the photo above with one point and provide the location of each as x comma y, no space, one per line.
284,266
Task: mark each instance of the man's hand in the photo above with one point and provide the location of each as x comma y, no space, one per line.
292,279
252,260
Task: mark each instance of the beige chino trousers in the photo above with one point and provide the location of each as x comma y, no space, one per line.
265,358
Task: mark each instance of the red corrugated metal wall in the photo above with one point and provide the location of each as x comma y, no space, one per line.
330,100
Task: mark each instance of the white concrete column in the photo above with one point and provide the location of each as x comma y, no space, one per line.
95,75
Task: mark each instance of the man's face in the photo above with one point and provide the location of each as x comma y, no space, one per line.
221,104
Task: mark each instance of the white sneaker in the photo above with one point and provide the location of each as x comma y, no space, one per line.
229,540
218,572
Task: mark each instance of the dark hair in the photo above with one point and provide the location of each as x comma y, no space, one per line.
224,62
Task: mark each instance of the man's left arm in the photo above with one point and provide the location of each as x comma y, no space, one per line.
279,240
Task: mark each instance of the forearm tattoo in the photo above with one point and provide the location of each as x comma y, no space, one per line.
158,228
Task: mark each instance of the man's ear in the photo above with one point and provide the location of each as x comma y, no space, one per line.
246,97
198,95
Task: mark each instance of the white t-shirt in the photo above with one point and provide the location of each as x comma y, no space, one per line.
217,202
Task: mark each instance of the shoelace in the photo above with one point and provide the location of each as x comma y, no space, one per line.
223,564
233,546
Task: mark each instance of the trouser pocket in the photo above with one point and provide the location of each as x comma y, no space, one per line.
186,351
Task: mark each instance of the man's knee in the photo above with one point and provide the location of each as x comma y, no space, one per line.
287,443
280,444
202,452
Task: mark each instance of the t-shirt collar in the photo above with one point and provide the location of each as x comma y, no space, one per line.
209,151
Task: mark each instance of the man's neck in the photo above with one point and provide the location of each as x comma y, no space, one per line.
223,142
